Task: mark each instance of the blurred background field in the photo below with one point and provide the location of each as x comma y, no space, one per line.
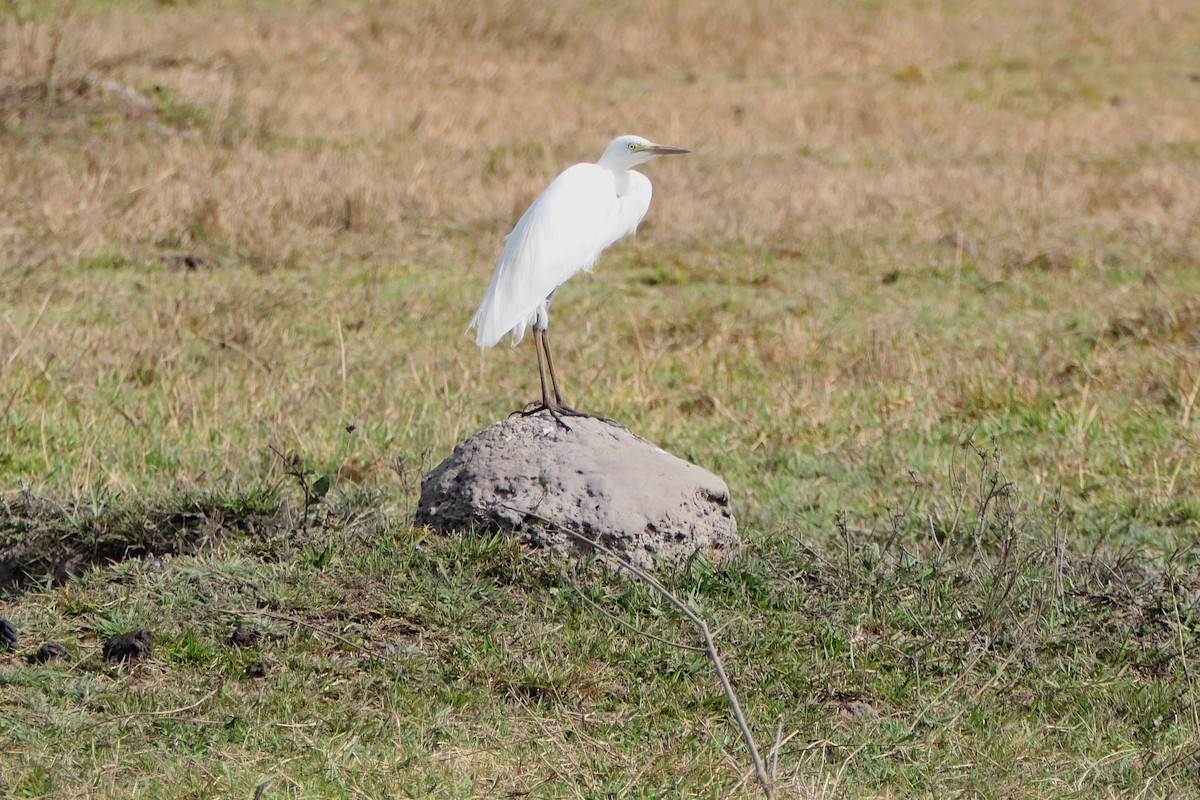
918,244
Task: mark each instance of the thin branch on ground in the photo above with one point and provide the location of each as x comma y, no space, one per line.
710,647
624,624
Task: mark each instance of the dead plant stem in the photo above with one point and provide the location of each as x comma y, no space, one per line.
709,645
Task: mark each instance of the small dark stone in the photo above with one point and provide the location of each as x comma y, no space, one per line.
50,651
8,635
130,646
244,636
256,669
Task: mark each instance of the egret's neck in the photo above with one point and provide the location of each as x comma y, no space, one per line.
623,176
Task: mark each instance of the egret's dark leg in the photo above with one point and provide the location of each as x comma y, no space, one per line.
537,344
550,365
562,408
555,409
545,335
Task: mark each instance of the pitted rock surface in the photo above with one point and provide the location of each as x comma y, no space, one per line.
528,476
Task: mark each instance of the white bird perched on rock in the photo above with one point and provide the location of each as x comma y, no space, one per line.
583,211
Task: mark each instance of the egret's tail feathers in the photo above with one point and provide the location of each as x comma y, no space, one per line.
489,331
485,339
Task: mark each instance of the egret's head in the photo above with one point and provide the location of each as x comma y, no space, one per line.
629,151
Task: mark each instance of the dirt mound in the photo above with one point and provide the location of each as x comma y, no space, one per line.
529,476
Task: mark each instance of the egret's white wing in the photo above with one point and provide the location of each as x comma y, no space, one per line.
561,234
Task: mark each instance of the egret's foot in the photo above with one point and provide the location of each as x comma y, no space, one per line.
558,412
532,407
567,411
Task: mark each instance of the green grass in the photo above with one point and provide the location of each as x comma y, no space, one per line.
404,664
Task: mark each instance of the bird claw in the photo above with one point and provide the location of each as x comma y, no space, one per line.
570,412
558,411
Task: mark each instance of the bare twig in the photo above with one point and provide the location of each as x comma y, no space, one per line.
167,712
623,623
710,647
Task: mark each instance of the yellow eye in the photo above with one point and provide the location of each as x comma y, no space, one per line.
632,146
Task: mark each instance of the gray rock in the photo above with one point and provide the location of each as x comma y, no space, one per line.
529,476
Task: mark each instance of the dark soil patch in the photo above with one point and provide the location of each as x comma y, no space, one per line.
44,542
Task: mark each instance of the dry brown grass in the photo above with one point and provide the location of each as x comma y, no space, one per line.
1033,128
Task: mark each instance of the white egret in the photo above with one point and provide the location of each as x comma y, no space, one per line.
583,211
